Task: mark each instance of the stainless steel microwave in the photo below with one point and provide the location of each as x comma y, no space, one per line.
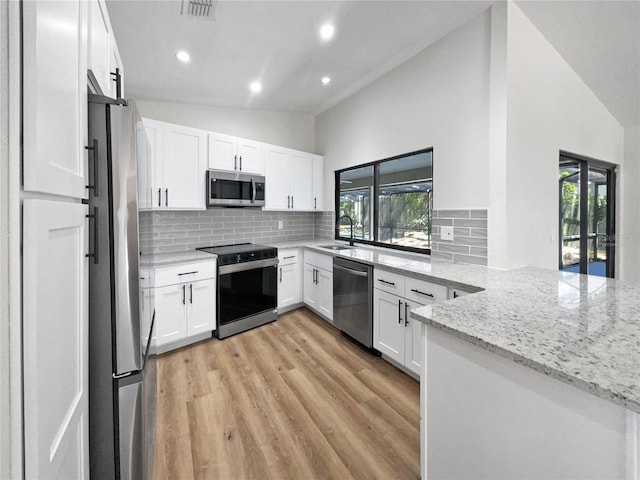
233,189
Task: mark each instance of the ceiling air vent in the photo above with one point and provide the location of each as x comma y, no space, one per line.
200,8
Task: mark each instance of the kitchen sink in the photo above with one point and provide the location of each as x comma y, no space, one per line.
336,247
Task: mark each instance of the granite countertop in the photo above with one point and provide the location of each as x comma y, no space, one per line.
175,258
579,329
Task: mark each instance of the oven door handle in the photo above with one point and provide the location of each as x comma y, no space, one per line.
241,267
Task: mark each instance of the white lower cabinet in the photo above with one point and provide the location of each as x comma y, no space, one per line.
318,283
185,304
395,333
289,286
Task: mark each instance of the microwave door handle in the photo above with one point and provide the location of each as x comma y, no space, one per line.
253,190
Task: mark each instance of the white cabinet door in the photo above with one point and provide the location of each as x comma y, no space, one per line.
301,183
170,305
250,156
325,293
115,62
99,30
55,336
413,340
288,285
55,104
223,152
310,290
388,325
318,182
183,168
201,307
153,168
276,168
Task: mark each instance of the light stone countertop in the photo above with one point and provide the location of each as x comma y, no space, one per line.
579,329
175,258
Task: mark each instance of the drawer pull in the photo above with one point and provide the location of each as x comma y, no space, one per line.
388,283
188,273
422,293
290,256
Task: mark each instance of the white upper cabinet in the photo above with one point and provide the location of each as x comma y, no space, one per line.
301,188
175,166
235,154
277,174
55,103
318,182
289,179
103,53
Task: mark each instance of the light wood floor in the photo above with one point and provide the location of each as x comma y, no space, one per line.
290,400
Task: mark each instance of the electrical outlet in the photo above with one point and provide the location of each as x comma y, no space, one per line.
446,233
279,224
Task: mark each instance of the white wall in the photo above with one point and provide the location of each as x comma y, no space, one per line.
628,233
438,99
292,130
549,108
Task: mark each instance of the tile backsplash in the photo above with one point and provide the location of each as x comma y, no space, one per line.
469,243
162,232
175,231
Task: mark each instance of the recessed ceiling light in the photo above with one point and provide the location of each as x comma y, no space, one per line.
183,56
327,31
325,80
255,87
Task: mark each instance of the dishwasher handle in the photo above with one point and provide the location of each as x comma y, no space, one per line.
352,271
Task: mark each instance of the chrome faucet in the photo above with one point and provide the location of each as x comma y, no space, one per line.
351,223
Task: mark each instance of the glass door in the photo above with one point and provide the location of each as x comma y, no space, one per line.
587,214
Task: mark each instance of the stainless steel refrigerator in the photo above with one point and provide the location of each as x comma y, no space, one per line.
122,374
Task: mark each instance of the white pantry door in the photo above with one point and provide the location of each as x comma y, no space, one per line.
55,97
55,340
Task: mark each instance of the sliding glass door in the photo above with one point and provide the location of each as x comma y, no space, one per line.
587,215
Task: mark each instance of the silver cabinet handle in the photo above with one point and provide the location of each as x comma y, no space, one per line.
235,162
166,197
159,195
422,293
290,256
291,201
188,273
191,293
399,311
288,201
388,283
184,293
280,274
315,203
240,162
406,315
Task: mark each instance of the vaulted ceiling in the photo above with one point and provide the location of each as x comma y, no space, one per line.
278,44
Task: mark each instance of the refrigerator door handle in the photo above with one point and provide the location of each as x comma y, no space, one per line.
131,441
94,216
94,150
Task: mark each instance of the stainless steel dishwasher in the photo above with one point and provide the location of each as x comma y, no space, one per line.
353,299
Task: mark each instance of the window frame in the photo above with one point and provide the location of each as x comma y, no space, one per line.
376,202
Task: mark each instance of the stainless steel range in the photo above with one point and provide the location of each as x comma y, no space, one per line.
247,286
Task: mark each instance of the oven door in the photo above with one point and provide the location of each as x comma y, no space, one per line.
247,289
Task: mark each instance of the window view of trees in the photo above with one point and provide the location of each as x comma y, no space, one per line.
401,213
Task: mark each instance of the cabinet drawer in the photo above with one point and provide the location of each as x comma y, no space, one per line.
388,281
287,257
317,259
186,272
424,292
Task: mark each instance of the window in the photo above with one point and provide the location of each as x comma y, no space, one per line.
389,202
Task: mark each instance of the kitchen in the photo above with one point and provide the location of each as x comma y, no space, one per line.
470,83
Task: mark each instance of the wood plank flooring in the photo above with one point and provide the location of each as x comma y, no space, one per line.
290,400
